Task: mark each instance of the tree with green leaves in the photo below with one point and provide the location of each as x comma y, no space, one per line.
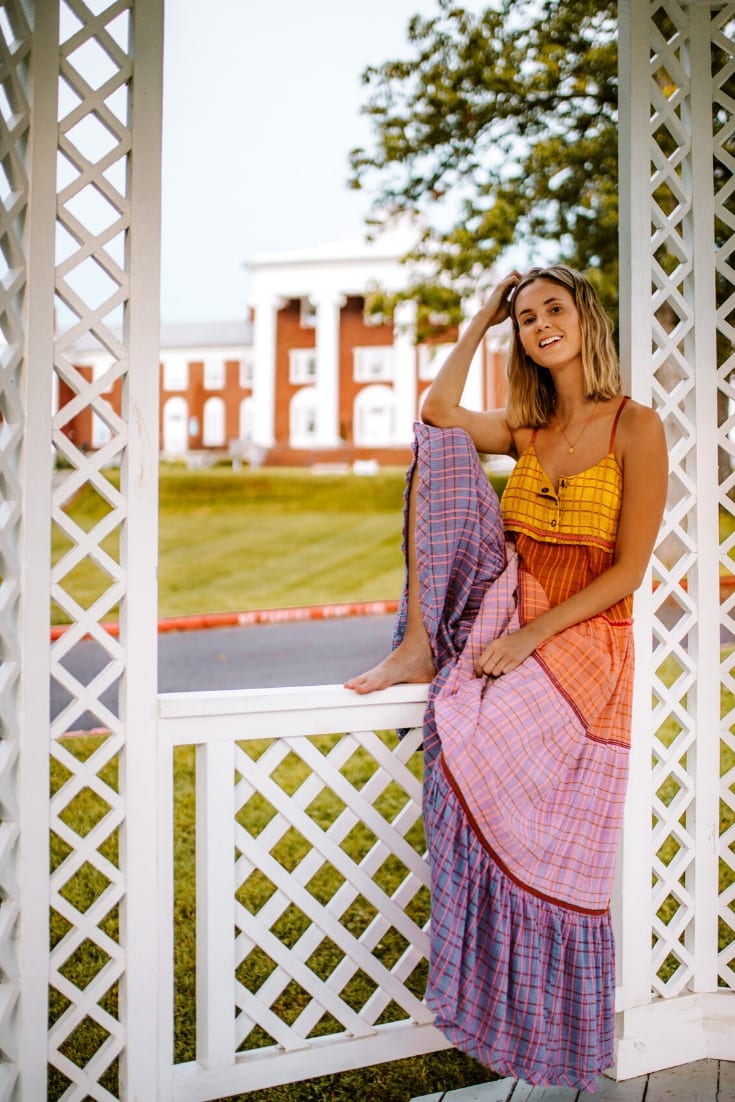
499,129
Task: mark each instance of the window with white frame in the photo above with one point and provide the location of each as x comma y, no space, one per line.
213,426
431,358
175,373
101,431
99,367
301,366
375,417
307,314
247,418
374,365
303,418
247,370
214,374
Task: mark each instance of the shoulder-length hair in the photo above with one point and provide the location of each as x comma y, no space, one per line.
531,391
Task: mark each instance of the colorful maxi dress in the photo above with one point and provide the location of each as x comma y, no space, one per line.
525,774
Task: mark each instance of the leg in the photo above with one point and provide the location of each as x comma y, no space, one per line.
454,547
412,661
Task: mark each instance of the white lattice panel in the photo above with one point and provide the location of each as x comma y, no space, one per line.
685,301
15,40
346,926
723,92
93,858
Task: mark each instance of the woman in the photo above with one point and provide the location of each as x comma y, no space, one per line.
521,619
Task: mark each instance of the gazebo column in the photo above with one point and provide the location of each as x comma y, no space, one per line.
328,313
473,395
264,370
404,379
675,995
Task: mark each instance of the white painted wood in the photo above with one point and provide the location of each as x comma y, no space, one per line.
139,556
256,1071
311,710
631,908
215,893
23,1032
702,877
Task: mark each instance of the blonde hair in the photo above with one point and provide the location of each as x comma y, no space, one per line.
531,391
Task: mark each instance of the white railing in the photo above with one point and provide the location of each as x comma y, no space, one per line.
311,884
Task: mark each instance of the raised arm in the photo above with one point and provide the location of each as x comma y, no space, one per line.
644,460
489,430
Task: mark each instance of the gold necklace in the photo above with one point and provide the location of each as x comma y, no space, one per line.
571,444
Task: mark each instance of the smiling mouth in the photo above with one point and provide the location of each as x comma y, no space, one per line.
548,341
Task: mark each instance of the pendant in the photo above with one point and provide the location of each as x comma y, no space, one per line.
571,451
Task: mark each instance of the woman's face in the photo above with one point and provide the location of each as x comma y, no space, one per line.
548,324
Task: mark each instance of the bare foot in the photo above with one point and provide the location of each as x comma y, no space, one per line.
410,663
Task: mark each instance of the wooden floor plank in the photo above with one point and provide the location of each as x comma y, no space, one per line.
628,1090
498,1091
553,1094
696,1082
726,1093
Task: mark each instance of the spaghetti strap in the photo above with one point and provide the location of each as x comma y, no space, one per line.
622,405
533,437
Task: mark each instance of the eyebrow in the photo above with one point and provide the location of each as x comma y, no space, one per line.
528,310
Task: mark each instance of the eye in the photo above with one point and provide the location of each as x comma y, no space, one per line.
528,320
555,309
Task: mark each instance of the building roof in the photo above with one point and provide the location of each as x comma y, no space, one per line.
186,334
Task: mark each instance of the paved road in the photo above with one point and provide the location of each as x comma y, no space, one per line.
321,652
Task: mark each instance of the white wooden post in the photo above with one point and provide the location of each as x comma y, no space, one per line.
27,303
144,832
674,58
633,895
703,822
215,894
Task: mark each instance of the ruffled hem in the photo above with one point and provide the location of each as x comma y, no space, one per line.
523,984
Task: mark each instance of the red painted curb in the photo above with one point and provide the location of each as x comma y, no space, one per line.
204,620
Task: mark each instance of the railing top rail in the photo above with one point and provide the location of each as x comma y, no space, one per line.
308,709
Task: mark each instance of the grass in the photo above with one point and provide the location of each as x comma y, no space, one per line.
247,539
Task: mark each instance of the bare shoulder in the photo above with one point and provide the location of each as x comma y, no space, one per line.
640,432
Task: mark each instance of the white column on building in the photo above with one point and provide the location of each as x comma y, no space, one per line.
264,370
328,310
473,396
404,376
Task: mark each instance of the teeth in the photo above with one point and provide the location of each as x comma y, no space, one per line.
549,340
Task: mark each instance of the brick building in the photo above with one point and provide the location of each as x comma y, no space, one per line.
310,377
332,382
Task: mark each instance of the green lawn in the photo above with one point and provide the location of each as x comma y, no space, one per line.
232,540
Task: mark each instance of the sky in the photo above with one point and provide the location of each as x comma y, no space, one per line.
261,108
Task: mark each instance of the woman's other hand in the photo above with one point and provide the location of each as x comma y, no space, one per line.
506,652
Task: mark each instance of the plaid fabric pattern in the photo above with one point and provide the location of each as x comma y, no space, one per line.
521,984
525,781
583,509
